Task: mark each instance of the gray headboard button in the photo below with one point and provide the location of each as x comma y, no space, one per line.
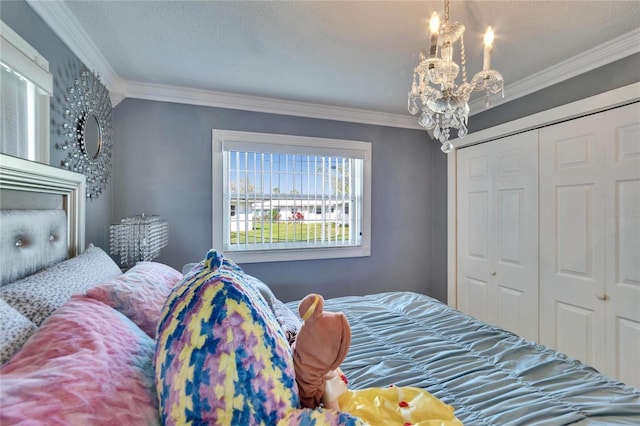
18,242
52,238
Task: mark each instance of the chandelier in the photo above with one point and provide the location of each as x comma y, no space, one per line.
445,104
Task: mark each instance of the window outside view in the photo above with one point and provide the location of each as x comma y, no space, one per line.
291,200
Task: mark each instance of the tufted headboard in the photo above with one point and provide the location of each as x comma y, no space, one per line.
42,216
31,240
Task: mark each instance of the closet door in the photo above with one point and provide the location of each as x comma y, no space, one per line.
498,233
590,240
622,230
572,247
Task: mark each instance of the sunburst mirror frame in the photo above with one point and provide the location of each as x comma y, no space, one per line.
88,105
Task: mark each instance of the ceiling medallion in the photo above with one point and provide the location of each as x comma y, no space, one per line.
88,131
444,104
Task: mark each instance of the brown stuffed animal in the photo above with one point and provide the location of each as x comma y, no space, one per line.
321,345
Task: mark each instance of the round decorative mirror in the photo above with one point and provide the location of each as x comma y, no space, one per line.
92,136
87,131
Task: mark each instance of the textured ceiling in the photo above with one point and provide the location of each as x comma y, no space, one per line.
348,54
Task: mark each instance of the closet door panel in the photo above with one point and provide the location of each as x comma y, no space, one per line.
474,293
572,248
575,231
478,299
515,242
624,353
622,218
577,334
498,233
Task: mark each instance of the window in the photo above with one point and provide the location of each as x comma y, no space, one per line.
25,87
279,197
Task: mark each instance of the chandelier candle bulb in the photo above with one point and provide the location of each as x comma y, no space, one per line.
434,26
488,47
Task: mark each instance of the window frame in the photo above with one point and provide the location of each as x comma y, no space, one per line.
20,56
271,141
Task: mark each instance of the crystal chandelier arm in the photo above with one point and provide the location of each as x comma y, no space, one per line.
490,80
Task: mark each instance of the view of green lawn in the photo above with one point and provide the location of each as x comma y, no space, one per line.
280,232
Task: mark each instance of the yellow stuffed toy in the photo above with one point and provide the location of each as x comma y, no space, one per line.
321,345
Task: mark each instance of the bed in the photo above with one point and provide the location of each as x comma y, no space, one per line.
86,343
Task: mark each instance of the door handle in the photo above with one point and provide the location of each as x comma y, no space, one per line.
602,296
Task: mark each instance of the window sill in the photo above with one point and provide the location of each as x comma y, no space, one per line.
260,256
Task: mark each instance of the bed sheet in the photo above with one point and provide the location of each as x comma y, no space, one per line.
490,376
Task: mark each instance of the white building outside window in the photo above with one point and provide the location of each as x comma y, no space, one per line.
281,197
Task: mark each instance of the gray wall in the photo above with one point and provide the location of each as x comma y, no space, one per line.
64,66
163,166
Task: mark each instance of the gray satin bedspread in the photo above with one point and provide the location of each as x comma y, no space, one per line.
490,376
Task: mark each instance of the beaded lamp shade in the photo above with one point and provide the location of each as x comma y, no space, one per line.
138,238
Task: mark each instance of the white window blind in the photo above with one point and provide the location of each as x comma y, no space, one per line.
285,197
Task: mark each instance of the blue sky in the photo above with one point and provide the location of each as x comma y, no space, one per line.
288,172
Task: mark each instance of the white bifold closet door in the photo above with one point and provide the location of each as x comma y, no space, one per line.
498,232
590,240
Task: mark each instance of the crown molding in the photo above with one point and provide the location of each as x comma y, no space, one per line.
211,98
591,105
611,51
64,24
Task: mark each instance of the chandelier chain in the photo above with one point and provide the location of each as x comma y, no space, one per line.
446,11
463,59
